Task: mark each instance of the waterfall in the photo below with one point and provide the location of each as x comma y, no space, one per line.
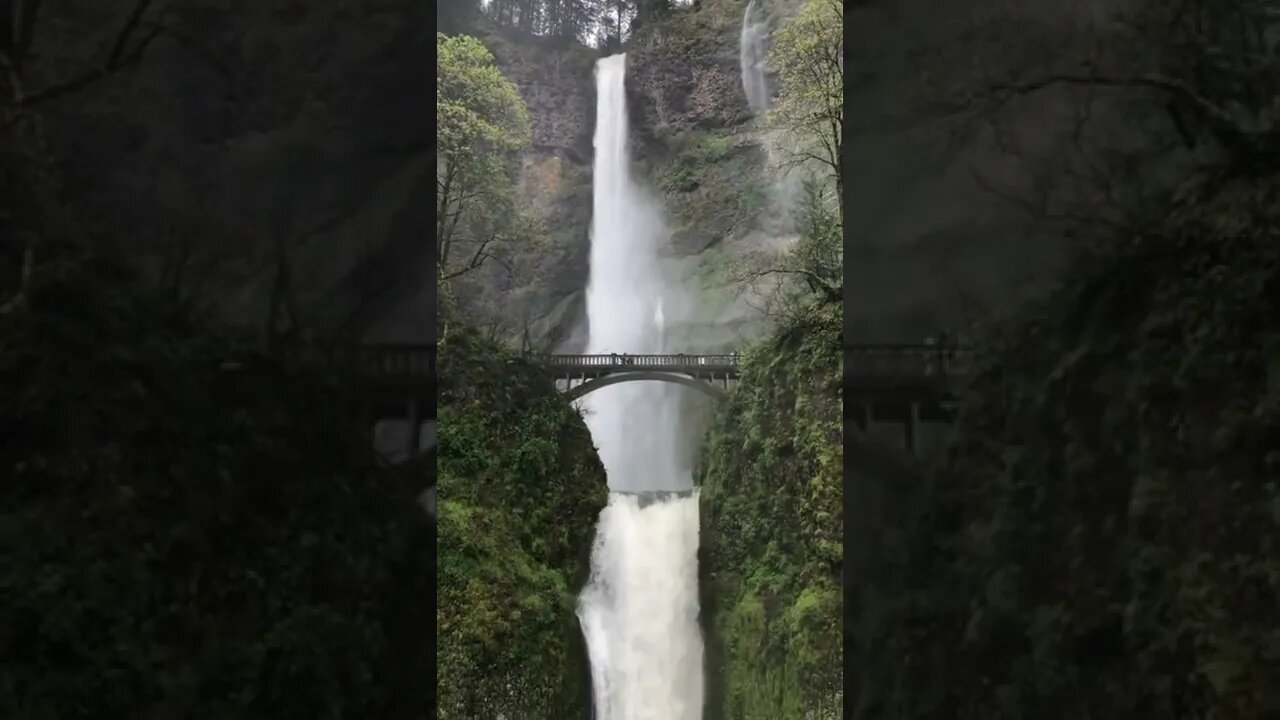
751,56
778,223
639,610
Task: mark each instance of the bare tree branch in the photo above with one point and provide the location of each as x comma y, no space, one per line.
121,56
1184,91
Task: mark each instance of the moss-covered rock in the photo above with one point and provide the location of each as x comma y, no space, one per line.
772,529
684,72
712,184
520,488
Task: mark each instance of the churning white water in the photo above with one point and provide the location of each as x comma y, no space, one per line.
639,611
751,57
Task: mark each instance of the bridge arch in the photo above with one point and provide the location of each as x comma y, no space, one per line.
596,383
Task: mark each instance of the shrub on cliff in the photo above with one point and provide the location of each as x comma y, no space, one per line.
772,527
520,488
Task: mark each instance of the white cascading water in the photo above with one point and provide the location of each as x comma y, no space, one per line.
784,186
639,610
751,56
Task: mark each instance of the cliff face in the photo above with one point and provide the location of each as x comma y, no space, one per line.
949,203
698,149
257,155
683,73
557,83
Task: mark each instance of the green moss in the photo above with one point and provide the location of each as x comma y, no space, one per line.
520,488
712,184
772,527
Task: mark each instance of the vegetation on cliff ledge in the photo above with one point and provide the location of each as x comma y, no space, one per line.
520,487
772,528
772,467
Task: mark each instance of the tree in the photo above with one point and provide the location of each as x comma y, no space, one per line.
457,16
574,19
808,57
807,54
21,137
481,123
648,10
785,285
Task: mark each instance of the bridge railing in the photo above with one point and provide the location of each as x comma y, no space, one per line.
901,361
621,361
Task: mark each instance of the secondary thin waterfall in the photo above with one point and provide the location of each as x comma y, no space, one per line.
784,186
639,611
751,57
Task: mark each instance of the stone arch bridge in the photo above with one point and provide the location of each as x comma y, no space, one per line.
578,375
902,384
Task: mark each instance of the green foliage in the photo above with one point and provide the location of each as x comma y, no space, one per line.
563,19
820,249
480,122
1101,539
191,529
521,487
478,110
772,528
711,186
695,155
807,55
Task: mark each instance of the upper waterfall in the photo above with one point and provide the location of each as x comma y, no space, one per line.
629,301
751,56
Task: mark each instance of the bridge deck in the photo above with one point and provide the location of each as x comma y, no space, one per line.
595,366
908,384
871,372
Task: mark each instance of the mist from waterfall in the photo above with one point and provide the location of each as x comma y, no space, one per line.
639,610
751,57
